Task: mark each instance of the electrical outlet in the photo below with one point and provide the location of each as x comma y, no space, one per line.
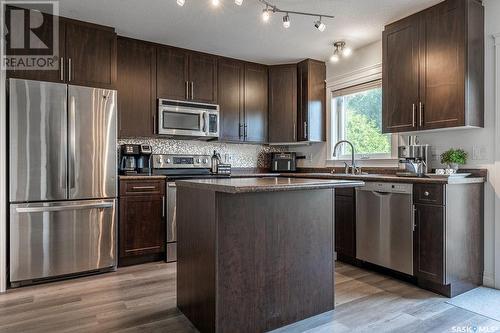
479,153
309,157
227,158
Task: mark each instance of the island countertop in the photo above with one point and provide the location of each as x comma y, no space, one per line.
270,184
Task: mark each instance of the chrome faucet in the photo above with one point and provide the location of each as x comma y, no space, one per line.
354,169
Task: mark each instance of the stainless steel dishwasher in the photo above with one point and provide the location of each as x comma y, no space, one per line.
384,225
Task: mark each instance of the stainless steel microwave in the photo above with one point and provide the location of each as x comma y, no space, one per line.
188,119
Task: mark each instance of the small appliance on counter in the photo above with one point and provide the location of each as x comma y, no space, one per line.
283,162
224,169
413,158
215,162
135,159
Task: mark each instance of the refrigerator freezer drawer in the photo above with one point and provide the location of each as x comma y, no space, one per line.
61,238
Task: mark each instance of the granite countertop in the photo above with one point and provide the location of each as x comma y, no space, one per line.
389,178
270,184
338,176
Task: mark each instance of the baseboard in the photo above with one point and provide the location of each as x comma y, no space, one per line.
489,281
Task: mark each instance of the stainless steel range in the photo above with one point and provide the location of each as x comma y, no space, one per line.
177,167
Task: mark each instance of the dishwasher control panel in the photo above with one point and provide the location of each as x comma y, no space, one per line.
387,187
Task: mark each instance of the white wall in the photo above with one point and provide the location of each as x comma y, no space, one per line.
480,143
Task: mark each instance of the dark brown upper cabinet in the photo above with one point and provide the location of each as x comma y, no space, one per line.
311,93
203,77
283,103
87,54
186,75
172,73
243,100
231,99
91,55
136,88
400,73
434,68
256,103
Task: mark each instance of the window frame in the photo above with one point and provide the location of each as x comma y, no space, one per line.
335,131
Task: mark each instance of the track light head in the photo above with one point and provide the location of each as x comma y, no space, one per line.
266,15
181,2
238,2
286,21
320,25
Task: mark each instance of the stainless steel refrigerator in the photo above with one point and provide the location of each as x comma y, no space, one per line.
62,180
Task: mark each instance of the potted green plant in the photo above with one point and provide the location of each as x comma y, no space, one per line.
454,157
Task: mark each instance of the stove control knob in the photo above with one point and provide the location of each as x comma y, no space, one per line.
168,161
160,160
198,160
205,161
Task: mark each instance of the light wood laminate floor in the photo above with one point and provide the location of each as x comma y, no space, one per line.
142,299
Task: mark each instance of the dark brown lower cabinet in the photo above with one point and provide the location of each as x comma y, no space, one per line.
345,224
448,237
142,221
429,243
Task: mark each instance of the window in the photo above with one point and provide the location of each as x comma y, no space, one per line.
357,117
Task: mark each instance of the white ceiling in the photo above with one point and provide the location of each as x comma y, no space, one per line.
239,32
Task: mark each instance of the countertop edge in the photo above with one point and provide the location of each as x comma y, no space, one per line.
342,183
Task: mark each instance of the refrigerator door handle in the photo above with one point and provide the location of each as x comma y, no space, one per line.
63,208
72,141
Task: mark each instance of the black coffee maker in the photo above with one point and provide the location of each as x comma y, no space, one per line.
135,159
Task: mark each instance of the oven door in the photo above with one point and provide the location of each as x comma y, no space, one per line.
181,122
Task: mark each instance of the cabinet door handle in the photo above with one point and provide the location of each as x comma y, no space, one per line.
192,90
245,131
187,89
143,187
413,111
69,70
421,115
163,206
154,123
414,218
426,193
305,129
239,130
61,61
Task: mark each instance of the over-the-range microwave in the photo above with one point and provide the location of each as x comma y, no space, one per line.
188,119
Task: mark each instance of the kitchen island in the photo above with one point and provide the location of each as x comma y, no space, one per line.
255,254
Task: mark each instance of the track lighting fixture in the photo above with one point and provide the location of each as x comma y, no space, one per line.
286,21
320,25
340,49
271,8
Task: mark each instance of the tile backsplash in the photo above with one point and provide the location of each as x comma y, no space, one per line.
238,155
